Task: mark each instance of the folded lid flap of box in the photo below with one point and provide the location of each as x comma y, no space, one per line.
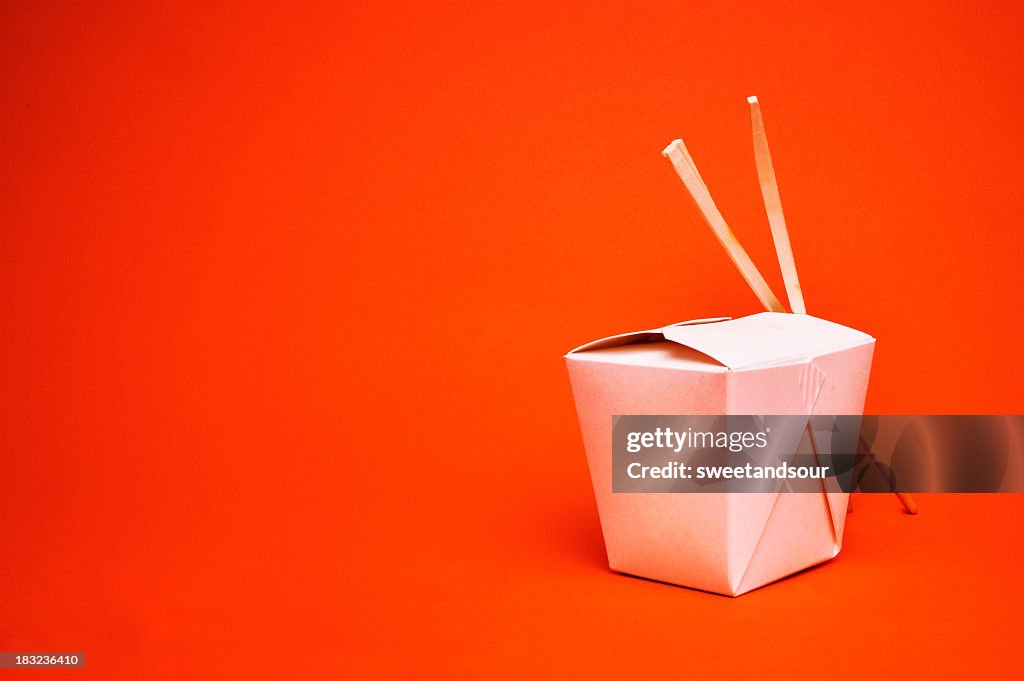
765,338
639,336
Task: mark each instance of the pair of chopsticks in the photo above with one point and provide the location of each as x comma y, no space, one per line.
681,160
683,163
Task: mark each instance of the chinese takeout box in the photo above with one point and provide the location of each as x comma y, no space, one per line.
768,363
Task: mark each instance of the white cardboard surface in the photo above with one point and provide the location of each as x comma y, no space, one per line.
768,363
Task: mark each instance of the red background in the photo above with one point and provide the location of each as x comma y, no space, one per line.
284,293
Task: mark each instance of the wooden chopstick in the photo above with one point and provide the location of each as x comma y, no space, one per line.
908,501
676,153
773,206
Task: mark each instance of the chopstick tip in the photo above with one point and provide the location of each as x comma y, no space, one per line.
672,145
752,99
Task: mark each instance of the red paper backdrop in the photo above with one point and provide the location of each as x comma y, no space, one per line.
284,291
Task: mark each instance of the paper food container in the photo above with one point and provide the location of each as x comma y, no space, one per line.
769,363
774,363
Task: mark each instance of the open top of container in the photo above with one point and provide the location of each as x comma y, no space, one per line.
765,339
